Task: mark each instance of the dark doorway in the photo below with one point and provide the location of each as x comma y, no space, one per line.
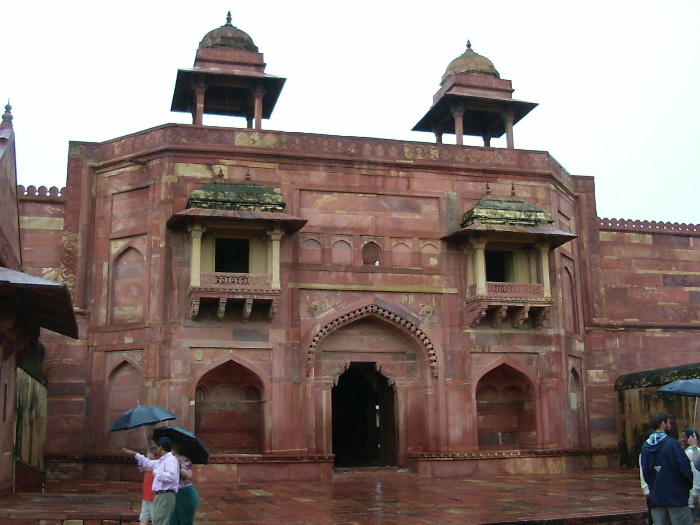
364,418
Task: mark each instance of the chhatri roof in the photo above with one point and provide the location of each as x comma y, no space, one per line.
470,62
228,36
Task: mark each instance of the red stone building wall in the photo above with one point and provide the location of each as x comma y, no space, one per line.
429,373
134,271
650,315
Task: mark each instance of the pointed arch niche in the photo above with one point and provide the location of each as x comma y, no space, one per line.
398,361
505,407
128,294
575,415
229,410
124,388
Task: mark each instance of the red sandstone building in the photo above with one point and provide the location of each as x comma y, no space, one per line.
308,301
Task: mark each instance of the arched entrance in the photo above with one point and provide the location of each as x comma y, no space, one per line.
377,347
364,418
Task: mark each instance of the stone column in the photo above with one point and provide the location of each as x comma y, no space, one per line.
544,265
196,231
479,266
401,406
438,135
198,110
274,256
458,114
509,118
259,92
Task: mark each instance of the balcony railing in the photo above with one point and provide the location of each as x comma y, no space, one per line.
517,302
236,280
508,290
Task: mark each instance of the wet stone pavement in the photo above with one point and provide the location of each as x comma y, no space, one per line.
360,497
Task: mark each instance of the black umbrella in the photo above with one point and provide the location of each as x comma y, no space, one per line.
189,444
141,416
684,387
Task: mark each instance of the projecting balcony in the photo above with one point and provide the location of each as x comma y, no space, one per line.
501,300
234,288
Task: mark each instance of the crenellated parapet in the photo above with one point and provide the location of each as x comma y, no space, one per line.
649,226
42,193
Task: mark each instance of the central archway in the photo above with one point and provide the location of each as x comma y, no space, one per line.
382,348
364,418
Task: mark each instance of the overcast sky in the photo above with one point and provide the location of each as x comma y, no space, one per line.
617,81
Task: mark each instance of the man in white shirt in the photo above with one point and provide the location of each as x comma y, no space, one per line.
166,475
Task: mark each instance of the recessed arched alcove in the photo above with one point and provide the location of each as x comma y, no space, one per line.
575,412
124,393
128,287
505,410
229,410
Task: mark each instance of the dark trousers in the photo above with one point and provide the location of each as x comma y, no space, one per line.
186,502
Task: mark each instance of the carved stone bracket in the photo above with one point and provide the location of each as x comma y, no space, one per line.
222,308
273,310
499,313
225,298
194,308
539,316
496,311
476,312
520,315
247,308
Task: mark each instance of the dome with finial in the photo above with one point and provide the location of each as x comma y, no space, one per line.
228,36
471,62
7,116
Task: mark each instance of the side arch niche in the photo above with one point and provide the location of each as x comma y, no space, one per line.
569,302
128,294
505,408
124,388
575,413
311,252
229,416
401,255
341,253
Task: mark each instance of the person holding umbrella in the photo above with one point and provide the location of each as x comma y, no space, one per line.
166,475
187,497
189,450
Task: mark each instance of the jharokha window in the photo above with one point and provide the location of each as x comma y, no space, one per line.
234,232
371,254
507,244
